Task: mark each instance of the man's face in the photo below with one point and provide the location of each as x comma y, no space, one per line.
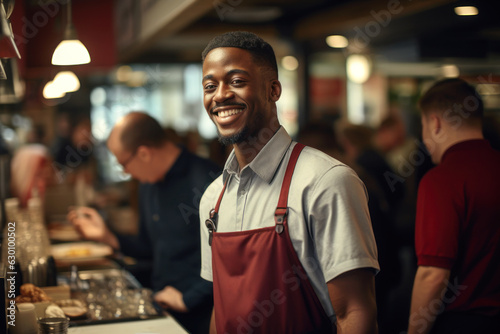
237,94
129,161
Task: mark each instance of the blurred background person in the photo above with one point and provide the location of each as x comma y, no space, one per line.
172,181
390,134
360,144
73,144
457,235
321,136
31,172
383,203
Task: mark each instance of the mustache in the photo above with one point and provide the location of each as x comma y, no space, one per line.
226,104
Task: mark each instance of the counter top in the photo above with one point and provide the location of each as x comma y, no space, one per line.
152,326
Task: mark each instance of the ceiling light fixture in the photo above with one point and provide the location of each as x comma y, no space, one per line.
290,63
358,68
70,51
337,41
466,11
450,71
52,91
67,81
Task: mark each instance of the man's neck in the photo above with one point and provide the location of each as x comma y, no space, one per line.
456,137
247,150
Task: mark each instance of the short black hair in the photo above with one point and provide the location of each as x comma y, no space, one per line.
260,50
453,96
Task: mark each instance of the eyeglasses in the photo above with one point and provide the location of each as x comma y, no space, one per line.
129,159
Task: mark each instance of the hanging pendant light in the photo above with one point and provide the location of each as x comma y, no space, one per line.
52,91
64,82
67,81
70,51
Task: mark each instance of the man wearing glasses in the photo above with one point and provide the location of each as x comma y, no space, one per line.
172,181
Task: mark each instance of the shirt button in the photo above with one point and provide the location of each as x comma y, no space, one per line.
156,217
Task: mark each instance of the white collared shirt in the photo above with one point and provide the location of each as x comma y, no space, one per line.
328,218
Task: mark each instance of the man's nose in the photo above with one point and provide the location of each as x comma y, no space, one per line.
223,93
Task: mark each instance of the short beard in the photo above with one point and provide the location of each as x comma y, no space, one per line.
234,139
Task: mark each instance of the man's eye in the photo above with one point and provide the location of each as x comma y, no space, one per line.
237,82
209,87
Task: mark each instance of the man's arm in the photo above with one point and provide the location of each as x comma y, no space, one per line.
426,302
353,298
213,330
91,226
171,298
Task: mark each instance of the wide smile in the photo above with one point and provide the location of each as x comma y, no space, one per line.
227,113
227,116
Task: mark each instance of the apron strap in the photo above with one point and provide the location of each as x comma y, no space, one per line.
282,208
211,222
213,212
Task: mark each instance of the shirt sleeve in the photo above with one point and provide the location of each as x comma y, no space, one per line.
198,293
340,223
437,224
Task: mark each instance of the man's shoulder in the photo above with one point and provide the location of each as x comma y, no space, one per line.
435,175
319,171
324,160
317,163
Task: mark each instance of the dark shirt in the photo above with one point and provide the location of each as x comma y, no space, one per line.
169,228
378,168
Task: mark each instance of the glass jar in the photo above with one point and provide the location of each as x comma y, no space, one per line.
26,237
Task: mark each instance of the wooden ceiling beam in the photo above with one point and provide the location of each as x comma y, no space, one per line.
357,14
162,19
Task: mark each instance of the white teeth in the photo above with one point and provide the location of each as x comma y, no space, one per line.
227,113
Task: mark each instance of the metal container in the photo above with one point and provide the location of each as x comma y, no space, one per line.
53,325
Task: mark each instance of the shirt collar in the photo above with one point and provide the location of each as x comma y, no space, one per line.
267,160
471,145
179,167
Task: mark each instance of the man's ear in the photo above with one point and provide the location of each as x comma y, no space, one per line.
275,90
436,123
144,153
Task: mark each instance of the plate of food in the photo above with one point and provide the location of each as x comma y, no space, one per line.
80,251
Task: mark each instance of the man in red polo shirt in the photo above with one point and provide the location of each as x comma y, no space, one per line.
457,232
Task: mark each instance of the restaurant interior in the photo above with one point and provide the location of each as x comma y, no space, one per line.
341,63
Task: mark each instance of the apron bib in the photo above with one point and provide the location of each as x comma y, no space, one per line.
259,283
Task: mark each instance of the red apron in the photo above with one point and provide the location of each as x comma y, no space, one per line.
260,285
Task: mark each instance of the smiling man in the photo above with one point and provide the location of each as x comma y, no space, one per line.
286,235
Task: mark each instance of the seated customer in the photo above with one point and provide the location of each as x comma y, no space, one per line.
172,181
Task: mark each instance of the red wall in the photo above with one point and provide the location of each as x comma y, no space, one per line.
39,29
